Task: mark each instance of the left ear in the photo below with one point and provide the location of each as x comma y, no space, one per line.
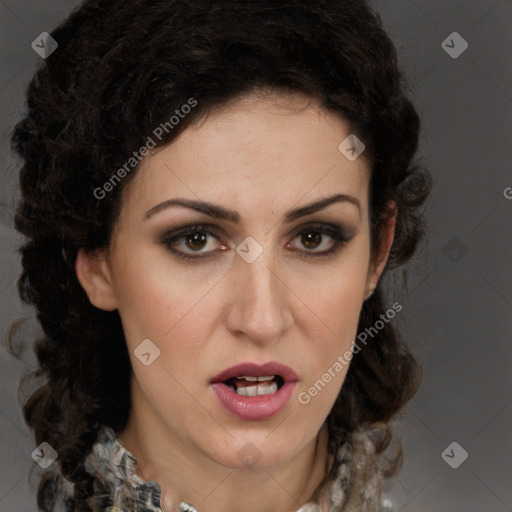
385,240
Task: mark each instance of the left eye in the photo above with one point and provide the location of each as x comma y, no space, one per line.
314,240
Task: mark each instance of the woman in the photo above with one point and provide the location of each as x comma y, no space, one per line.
211,193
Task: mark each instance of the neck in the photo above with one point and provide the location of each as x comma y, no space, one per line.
192,477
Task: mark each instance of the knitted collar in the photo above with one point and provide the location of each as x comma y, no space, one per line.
356,488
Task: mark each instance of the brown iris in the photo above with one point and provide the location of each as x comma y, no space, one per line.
196,241
311,239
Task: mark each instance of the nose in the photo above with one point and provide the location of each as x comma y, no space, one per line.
259,306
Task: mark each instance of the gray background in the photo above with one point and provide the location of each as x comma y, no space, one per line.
457,315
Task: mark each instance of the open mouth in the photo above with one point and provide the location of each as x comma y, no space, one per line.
254,392
255,386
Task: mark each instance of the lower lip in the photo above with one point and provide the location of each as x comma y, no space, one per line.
254,407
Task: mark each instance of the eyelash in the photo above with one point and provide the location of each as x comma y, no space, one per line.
337,234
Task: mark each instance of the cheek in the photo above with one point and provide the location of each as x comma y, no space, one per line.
331,322
334,294
154,299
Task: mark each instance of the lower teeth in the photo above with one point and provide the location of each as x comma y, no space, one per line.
259,390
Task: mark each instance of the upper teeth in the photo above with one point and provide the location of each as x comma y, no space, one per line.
254,379
265,388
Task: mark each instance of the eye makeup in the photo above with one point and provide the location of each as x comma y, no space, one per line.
199,234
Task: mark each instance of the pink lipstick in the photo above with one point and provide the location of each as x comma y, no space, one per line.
254,392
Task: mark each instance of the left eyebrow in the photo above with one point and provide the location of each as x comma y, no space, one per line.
302,211
222,213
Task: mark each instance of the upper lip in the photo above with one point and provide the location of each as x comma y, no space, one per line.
257,370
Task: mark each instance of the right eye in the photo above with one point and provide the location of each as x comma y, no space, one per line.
192,241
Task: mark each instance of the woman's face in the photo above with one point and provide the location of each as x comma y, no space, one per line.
273,266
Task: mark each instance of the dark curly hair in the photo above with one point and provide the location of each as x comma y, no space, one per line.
123,67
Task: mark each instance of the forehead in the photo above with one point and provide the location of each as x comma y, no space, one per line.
257,153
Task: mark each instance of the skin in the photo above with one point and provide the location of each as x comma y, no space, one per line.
260,156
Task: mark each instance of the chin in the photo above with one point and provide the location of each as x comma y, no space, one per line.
251,455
